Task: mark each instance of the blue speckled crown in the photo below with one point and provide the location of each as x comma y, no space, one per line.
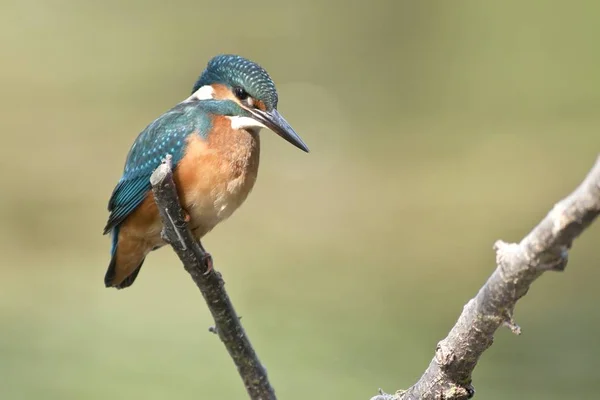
233,70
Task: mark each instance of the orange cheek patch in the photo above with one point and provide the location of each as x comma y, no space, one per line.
222,92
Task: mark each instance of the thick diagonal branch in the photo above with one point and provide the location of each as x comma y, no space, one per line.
210,283
545,248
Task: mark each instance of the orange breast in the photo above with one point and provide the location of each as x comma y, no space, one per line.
216,175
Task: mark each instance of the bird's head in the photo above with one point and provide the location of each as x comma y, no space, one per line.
234,78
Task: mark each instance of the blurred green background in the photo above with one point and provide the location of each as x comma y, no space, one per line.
435,128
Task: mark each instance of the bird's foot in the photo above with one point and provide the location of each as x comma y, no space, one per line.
208,261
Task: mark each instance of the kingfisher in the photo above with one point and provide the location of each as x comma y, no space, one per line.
213,140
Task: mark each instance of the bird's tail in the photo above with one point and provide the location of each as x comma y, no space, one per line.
126,261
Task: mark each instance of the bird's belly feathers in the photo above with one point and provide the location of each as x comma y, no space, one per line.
216,176
209,206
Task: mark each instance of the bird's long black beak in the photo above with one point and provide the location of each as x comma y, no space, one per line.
275,122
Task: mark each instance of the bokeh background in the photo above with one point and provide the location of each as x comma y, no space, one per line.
435,128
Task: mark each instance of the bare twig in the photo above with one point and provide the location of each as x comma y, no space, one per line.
448,376
197,262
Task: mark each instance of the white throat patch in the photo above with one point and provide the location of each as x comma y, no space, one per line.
244,123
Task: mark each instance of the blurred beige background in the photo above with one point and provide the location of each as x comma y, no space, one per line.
435,128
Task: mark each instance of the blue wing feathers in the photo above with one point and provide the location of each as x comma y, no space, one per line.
166,135
114,241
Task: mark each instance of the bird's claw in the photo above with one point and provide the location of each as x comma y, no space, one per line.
208,261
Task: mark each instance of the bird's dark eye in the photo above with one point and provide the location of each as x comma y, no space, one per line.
240,93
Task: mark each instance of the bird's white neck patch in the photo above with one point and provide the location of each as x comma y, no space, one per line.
238,122
206,92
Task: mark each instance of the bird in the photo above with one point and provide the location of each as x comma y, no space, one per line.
213,140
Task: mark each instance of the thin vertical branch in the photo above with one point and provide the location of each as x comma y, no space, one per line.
198,263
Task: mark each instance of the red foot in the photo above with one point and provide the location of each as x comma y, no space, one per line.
208,261
186,217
